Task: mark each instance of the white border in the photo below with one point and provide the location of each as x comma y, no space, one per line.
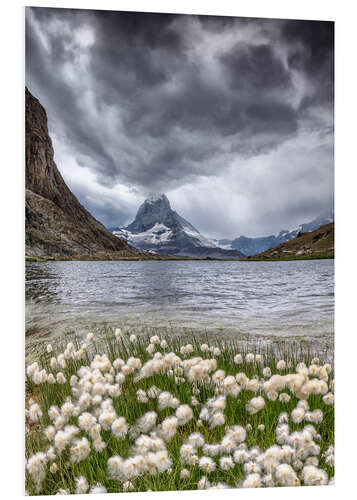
12,220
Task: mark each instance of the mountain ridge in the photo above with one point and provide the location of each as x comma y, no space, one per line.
160,229
253,246
313,244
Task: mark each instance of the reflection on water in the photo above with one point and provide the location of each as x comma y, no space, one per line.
288,299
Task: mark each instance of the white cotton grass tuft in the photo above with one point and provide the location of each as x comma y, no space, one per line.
80,450
183,414
35,413
163,344
184,474
94,390
98,489
252,481
53,468
255,405
119,427
36,466
226,463
207,465
281,365
81,485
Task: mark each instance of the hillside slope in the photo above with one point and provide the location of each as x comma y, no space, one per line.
316,244
56,223
253,246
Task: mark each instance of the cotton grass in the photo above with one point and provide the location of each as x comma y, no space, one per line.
128,413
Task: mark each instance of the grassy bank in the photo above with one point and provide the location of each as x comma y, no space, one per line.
317,256
101,258
122,413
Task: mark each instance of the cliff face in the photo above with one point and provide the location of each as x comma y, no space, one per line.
56,223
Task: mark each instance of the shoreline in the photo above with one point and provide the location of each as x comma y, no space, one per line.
174,258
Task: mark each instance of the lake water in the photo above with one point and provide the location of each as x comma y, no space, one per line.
254,299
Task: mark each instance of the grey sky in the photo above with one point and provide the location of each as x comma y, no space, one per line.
231,117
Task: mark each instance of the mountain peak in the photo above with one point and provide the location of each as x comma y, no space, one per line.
158,228
157,197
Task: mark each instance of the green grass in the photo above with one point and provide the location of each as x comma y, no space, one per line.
94,468
315,256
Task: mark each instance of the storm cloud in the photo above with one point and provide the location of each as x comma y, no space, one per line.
231,117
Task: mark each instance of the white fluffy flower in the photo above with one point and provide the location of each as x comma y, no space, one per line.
147,421
252,481
328,398
184,473
196,439
150,348
238,359
207,464
186,349
98,489
203,483
312,476
119,427
35,413
286,476
53,468
284,397
184,414
255,405
80,450
81,486
226,462
90,337
128,486
86,421
297,415
217,419
141,396
36,466
61,379
281,365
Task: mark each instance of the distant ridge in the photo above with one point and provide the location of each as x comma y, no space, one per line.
56,223
253,246
315,244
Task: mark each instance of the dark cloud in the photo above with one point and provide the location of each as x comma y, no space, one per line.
311,52
160,101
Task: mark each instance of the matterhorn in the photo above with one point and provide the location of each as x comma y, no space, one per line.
159,229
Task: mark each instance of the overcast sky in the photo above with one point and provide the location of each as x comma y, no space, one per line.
232,118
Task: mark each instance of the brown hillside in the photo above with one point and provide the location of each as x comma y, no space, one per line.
317,244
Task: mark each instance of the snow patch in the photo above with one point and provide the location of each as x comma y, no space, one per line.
156,235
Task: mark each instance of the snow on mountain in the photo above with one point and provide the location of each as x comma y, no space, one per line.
160,229
252,246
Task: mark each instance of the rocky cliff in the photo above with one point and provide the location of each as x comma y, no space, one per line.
56,223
